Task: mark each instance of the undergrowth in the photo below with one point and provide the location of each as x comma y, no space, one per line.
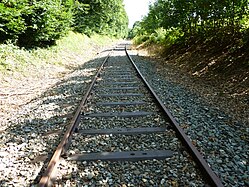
13,58
218,60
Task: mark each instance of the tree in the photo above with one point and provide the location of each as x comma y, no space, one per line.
196,17
107,17
33,23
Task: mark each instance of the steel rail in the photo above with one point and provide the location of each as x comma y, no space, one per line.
50,172
211,177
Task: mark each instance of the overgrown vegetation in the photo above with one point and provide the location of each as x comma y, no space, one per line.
172,21
208,40
67,52
33,23
40,23
107,17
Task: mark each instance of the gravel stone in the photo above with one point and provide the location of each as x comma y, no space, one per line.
222,140
33,131
179,170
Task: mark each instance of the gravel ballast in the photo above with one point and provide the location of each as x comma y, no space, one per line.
222,140
178,170
34,132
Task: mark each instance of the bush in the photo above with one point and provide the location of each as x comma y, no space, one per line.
11,22
160,36
37,23
172,36
46,23
140,39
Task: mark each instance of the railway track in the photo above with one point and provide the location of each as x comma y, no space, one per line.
122,130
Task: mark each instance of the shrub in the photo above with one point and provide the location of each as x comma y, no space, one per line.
172,36
11,22
140,39
160,36
46,22
36,23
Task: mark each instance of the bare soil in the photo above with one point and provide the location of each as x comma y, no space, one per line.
216,70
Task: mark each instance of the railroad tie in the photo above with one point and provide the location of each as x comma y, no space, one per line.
122,156
120,103
123,131
121,95
119,114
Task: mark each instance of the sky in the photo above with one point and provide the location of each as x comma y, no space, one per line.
136,9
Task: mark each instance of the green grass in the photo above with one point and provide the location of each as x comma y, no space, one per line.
64,53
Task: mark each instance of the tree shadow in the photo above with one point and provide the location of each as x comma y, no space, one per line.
222,63
36,131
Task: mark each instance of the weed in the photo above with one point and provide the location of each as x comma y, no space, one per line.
14,58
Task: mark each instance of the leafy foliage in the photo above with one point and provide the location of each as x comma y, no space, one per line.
33,23
11,22
41,22
107,17
46,22
200,18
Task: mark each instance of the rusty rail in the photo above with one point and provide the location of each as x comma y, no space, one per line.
211,177
49,174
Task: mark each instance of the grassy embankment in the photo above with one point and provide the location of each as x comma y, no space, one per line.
69,52
220,62
26,74
217,69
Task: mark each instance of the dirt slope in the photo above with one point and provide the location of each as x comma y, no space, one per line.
218,70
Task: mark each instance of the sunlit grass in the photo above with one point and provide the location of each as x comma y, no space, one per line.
68,51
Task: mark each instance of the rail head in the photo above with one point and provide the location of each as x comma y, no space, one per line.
50,172
211,177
